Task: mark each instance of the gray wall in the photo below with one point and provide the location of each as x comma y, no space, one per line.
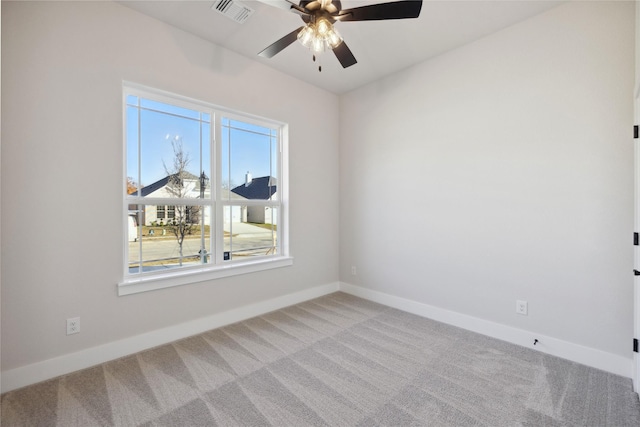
63,64
499,171
502,170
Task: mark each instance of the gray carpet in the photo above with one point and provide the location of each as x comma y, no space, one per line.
334,361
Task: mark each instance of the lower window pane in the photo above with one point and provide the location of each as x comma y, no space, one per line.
249,231
184,240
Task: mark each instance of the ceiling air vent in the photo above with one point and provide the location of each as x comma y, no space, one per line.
233,9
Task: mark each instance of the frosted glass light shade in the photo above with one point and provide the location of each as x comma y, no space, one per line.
305,36
333,38
323,26
319,36
318,44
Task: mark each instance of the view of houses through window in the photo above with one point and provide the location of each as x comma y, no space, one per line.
201,185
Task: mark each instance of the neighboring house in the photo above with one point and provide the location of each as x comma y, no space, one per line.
238,213
164,213
161,214
263,188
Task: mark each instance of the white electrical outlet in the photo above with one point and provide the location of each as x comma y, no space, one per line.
521,307
353,270
73,326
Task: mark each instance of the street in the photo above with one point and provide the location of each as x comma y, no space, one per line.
245,240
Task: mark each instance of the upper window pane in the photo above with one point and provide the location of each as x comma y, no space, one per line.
133,183
169,109
249,161
168,149
133,100
249,127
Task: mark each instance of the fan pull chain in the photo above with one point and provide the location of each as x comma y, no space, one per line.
319,62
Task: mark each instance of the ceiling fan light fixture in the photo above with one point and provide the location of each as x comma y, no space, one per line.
323,27
333,38
306,36
319,36
319,16
318,44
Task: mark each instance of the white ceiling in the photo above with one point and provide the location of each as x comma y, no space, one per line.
381,47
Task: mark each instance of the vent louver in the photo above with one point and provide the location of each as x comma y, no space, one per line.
233,9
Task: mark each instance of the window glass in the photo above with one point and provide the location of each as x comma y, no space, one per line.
132,185
249,161
192,201
249,231
170,146
181,241
151,105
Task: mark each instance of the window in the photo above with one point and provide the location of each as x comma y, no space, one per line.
207,187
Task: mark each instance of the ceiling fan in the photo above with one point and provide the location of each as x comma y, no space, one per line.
319,16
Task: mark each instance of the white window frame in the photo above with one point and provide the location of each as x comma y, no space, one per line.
216,268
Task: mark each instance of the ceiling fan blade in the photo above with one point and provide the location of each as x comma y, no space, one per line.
276,47
395,10
344,55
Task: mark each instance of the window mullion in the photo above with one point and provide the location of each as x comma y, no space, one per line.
219,208
139,215
169,201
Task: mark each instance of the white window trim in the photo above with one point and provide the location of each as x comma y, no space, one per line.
143,282
189,275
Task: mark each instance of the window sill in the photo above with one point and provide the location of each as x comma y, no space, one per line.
184,277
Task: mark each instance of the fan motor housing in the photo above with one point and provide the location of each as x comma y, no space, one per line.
307,4
315,7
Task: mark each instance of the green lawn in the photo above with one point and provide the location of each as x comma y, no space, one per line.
195,232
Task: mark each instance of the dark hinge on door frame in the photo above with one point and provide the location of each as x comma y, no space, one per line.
635,242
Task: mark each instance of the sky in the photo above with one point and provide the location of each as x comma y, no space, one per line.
151,127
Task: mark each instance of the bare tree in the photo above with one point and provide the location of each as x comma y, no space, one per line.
186,217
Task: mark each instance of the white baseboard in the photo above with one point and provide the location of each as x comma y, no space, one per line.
575,352
47,369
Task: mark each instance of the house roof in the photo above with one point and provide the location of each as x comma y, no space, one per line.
148,189
226,194
258,189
